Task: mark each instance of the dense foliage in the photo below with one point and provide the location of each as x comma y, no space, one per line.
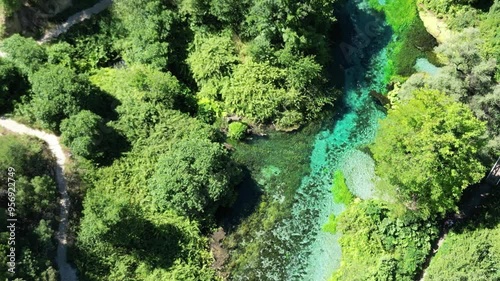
426,150
469,78
476,243
13,86
378,246
35,205
145,96
237,130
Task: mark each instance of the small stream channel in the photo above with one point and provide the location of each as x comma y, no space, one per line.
296,248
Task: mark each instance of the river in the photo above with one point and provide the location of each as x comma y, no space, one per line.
296,248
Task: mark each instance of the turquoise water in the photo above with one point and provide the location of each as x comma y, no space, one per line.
423,65
296,248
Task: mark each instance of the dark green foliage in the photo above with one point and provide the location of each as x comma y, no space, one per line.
12,86
57,94
90,44
35,206
471,251
118,240
300,26
83,133
177,153
264,93
24,155
426,149
148,25
145,97
37,198
192,178
61,54
472,255
10,6
378,246
489,32
25,53
213,57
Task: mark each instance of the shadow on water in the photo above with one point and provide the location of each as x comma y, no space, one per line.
248,195
358,35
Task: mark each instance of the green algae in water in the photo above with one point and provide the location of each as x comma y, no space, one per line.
293,246
267,173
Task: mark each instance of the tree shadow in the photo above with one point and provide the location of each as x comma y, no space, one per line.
247,199
157,245
479,208
110,143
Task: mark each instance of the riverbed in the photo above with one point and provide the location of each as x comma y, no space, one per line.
293,246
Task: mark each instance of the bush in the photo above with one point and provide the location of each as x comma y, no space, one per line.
378,246
237,130
82,133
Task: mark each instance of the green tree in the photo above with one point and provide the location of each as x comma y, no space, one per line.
377,246
426,149
160,246
146,97
488,28
25,155
193,178
237,130
212,57
12,86
37,198
25,53
476,242
57,94
466,73
148,25
82,133
62,54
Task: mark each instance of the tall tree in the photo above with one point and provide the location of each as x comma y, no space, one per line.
426,149
25,53
193,178
57,94
148,25
83,134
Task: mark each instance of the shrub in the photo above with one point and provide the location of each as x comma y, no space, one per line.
237,130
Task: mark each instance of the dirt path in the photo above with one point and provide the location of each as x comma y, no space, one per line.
66,271
74,19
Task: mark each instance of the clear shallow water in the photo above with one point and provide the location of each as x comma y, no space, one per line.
423,65
296,248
